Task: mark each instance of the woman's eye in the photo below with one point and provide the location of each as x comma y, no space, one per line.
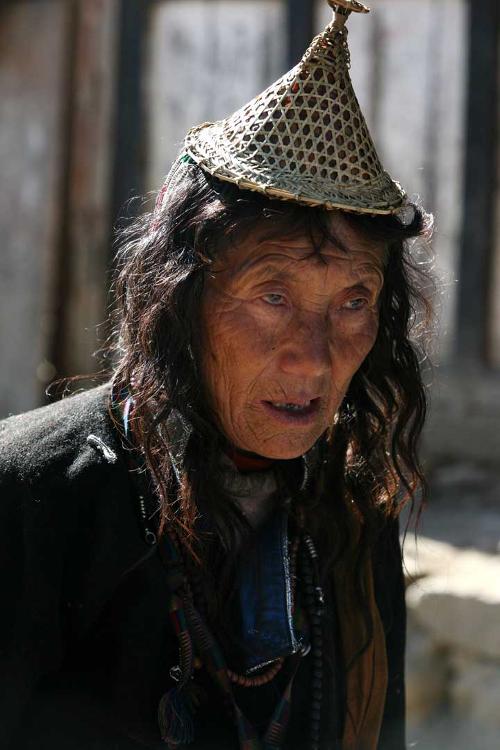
274,299
356,304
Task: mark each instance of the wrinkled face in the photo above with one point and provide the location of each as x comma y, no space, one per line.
284,329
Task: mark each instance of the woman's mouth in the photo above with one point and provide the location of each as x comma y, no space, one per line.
293,412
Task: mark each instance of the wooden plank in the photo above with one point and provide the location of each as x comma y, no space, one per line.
32,85
300,24
128,180
493,343
85,248
480,180
205,60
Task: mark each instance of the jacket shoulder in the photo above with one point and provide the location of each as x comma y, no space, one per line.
53,436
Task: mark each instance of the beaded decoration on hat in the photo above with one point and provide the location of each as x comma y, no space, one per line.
304,138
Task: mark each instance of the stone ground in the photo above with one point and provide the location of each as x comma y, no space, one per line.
463,508
454,613
444,732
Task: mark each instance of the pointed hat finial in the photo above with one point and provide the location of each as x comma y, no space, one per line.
304,138
353,6
343,9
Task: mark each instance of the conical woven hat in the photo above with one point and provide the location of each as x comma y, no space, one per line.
304,138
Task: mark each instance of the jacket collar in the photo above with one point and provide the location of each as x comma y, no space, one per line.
179,431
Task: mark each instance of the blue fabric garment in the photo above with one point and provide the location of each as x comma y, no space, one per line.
264,584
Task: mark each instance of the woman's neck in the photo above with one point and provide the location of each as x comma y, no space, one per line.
247,462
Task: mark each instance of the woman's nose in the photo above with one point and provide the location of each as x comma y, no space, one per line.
307,351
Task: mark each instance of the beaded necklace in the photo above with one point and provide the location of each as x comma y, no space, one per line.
177,707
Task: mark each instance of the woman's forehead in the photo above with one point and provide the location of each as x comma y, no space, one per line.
343,243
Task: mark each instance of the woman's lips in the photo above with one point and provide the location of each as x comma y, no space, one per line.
293,413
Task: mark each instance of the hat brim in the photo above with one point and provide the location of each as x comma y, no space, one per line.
210,148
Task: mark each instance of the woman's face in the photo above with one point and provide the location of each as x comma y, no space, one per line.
284,329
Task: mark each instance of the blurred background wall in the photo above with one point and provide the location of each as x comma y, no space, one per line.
95,98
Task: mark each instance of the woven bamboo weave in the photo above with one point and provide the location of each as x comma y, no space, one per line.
303,139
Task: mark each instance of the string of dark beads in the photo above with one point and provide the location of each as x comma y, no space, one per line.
263,677
314,604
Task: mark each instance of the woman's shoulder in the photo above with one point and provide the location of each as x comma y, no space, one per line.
54,439
65,494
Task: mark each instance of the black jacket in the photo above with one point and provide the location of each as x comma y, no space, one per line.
85,640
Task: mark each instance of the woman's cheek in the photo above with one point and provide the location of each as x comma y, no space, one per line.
356,321
370,327
242,336
356,335
265,326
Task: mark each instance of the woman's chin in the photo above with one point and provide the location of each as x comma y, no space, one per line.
280,448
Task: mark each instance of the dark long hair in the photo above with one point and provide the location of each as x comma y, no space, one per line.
369,461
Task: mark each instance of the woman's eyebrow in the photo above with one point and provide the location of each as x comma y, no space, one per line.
258,273
370,270
367,288
369,280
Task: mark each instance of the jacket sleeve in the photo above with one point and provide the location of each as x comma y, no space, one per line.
68,532
390,594
31,571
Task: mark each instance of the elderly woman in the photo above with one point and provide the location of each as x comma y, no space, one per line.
204,552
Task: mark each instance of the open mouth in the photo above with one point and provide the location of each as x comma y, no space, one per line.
293,412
